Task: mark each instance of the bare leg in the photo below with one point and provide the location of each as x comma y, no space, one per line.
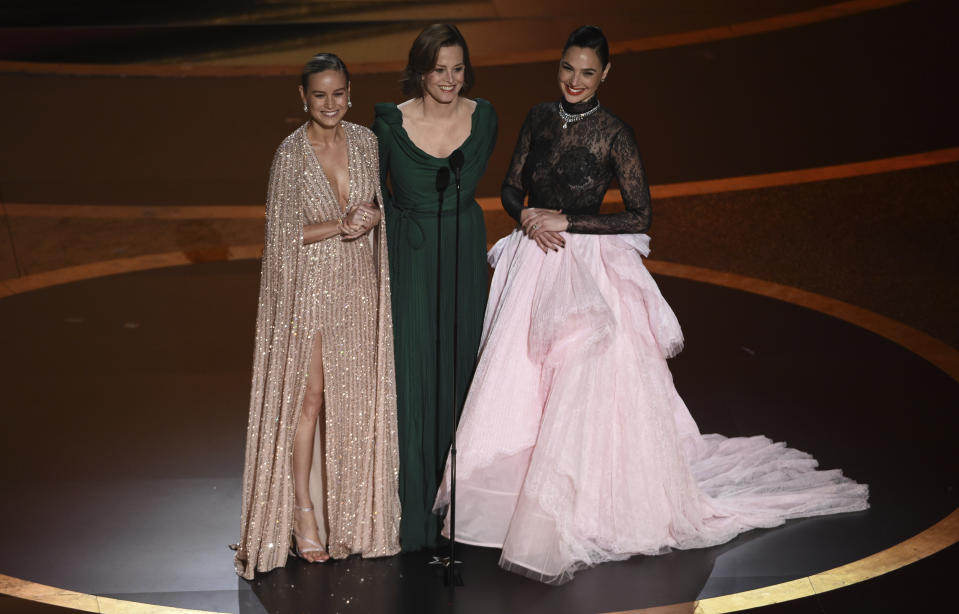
304,522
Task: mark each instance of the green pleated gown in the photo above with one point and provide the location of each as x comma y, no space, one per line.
424,420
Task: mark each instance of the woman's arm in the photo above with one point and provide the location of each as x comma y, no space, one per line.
313,233
629,171
513,192
356,222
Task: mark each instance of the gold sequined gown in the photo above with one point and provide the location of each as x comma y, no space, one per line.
339,290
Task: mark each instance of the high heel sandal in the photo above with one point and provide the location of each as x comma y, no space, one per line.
298,540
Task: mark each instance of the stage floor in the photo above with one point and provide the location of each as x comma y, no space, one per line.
805,143
122,467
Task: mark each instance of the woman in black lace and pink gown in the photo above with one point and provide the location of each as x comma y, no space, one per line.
574,447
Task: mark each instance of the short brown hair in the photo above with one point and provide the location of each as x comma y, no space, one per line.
423,55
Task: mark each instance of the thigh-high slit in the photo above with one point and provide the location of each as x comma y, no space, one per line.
308,451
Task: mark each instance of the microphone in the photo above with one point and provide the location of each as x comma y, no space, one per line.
456,163
443,178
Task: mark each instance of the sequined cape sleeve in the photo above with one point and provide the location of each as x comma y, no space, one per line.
264,536
385,522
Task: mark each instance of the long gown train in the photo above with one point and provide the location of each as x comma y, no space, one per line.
574,447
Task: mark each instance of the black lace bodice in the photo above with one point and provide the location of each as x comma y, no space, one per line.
570,169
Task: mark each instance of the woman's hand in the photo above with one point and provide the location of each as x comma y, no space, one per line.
548,240
359,220
544,227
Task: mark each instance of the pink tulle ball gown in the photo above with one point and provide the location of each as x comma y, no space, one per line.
574,447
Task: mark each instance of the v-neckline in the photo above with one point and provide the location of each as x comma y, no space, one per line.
473,117
326,179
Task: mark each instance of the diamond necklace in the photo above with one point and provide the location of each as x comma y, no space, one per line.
572,118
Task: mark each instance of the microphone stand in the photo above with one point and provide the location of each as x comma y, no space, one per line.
442,181
453,577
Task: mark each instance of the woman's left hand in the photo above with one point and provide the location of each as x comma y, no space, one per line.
538,220
364,217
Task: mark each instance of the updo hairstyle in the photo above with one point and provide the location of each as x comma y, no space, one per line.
590,37
322,62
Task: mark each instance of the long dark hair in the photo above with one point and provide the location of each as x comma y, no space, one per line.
591,37
423,55
322,62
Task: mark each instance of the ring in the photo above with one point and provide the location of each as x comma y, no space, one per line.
534,227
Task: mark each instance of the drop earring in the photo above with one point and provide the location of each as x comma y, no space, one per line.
349,103
305,108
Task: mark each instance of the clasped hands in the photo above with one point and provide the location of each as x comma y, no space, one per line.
358,220
544,227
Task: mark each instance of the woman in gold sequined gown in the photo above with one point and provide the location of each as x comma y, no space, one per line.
321,459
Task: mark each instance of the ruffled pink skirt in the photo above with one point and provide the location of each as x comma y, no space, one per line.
574,447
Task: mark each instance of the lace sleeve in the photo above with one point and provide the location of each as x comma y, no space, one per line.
629,171
513,191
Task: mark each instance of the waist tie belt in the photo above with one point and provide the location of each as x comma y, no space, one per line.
414,216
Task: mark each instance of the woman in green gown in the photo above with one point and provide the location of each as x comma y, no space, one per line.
416,139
